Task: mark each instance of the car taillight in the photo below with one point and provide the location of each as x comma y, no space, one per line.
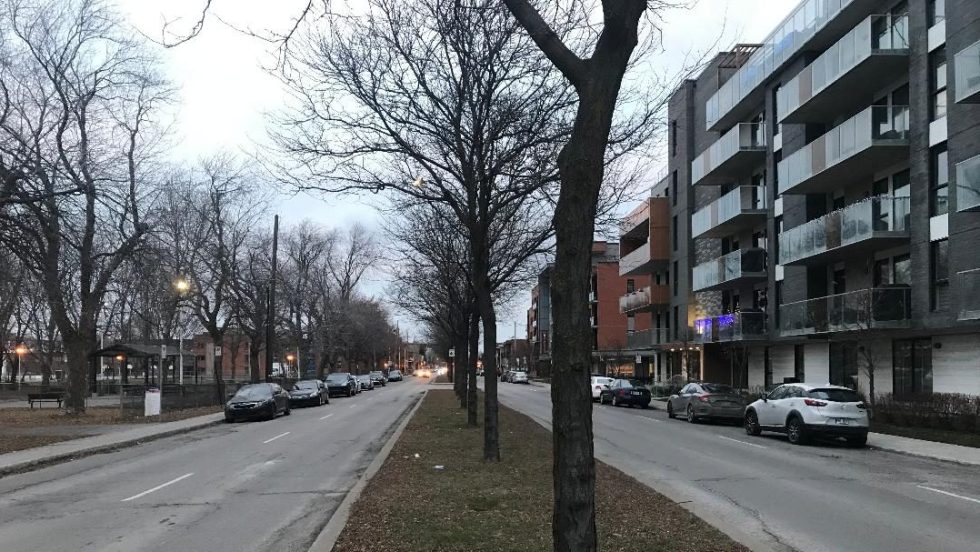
703,398
811,402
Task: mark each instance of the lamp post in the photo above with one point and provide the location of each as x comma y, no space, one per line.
21,350
290,357
182,286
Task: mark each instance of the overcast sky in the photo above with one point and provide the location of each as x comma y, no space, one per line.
226,92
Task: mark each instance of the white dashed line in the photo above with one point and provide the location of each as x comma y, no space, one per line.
267,441
327,416
157,488
740,442
947,493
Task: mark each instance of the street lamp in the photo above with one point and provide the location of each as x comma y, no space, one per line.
182,286
21,350
290,357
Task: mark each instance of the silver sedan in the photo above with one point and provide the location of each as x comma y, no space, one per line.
699,401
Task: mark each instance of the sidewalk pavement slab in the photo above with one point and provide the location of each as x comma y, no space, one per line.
926,449
33,458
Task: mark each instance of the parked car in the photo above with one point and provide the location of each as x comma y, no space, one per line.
597,383
395,375
341,383
516,376
378,377
258,400
308,392
803,411
366,382
696,401
505,376
624,392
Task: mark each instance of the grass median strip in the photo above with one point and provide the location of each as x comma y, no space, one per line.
435,493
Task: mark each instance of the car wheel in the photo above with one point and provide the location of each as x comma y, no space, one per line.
691,417
670,411
228,420
857,441
615,402
795,431
286,412
752,426
272,412
644,406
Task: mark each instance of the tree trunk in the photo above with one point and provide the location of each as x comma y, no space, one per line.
253,353
491,431
472,354
77,349
217,372
460,363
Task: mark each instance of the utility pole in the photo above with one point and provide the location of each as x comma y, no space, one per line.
270,321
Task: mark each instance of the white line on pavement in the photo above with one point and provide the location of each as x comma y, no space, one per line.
327,416
157,488
947,493
274,438
740,441
353,405
655,420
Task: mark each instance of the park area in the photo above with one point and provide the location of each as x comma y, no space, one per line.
434,492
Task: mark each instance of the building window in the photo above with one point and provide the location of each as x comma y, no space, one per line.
882,272
936,11
676,322
799,353
939,182
903,270
673,234
767,369
630,285
937,65
675,279
844,364
912,367
630,324
775,110
939,269
673,188
673,137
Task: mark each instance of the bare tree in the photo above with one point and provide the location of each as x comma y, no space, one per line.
88,99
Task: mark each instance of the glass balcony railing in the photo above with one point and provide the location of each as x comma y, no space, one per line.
727,269
645,339
882,217
736,326
968,282
882,39
968,184
779,47
867,309
721,215
875,137
966,68
724,155
644,298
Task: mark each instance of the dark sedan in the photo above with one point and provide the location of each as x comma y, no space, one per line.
258,400
394,375
378,377
341,383
367,383
308,393
701,401
624,392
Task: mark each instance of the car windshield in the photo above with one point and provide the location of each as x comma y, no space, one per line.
254,392
376,373
300,385
394,373
338,377
363,378
835,395
626,384
717,388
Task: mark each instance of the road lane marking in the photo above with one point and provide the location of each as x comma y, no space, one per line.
157,488
353,405
740,441
327,416
947,493
274,438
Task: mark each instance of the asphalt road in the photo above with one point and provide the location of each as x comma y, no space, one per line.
262,486
778,496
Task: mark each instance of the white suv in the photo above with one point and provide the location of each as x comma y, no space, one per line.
597,384
802,410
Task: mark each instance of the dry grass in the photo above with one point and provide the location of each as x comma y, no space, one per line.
11,443
472,506
44,417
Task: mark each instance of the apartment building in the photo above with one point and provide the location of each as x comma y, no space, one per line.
823,199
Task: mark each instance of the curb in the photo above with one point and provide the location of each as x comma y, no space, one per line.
328,536
63,457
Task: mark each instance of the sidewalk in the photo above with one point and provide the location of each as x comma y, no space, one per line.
24,460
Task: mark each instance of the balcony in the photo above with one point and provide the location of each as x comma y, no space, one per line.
966,68
738,267
874,138
869,225
968,184
813,25
645,299
867,309
737,326
647,339
733,154
874,51
742,207
968,282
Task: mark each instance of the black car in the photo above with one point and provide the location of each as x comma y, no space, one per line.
624,392
378,377
258,400
395,375
341,383
366,381
309,393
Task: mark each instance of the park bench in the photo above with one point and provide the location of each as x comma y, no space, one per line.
48,396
